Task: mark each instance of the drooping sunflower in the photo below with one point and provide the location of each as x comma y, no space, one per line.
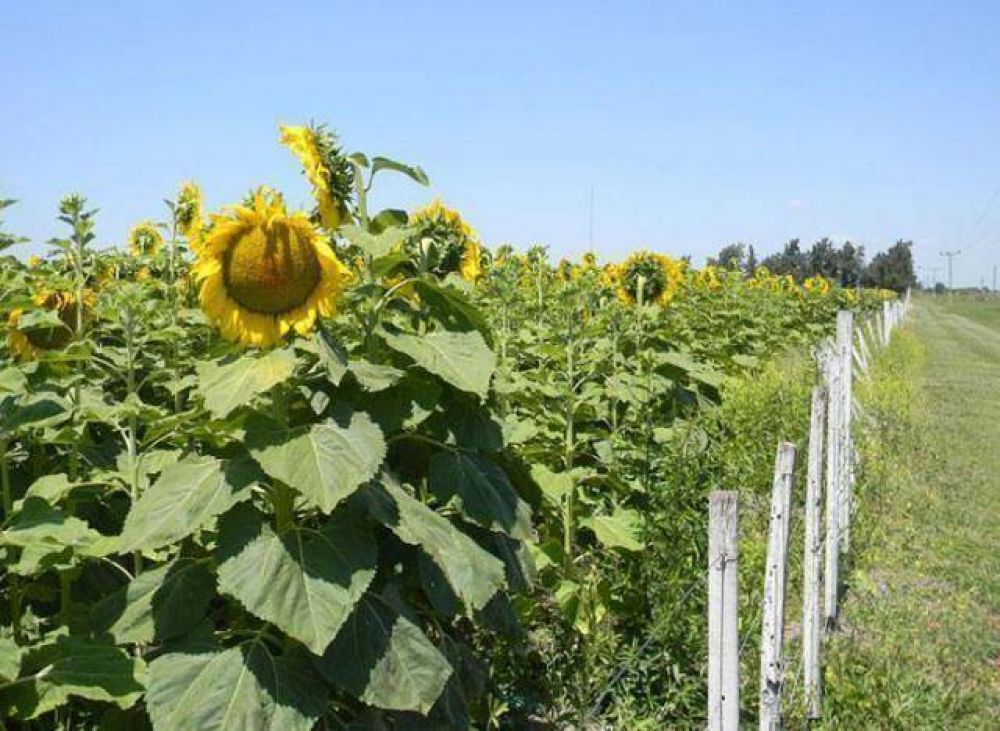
188,213
264,272
327,169
145,239
29,344
661,277
458,247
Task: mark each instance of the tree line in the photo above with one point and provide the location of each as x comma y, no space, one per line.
890,269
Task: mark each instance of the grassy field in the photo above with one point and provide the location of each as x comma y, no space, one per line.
920,643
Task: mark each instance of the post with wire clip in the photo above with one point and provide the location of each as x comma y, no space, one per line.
723,605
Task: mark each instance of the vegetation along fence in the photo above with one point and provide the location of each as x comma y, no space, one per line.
830,445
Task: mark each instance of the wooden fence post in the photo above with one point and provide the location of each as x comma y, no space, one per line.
772,668
723,606
831,370
813,560
845,338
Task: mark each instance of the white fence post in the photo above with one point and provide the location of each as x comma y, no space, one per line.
723,606
772,670
813,563
831,372
845,339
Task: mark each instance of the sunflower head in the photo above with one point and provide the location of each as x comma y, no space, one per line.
188,212
818,285
264,272
456,244
326,167
145,239
660,277
29,344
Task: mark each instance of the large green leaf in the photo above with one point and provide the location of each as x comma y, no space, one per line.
46,536
462,359
414,172
159,604
473,573
481,492
226,385
386,660
374,245
326,462
10,659
452,308
304,581
621,529
244,688
185,499
72,666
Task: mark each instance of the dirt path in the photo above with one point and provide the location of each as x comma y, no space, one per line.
921,642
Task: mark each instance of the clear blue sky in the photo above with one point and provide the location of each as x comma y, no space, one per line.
696,124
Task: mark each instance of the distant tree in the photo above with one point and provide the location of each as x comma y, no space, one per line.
892,268
791,260
751,261
851,264
731,256
823,259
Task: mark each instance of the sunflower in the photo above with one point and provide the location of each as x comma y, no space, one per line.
328,171
661,277
145,239
818,285
708,278
34,261
187,213
264,272
459,249
28,345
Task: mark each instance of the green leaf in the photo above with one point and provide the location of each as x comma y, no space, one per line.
385,660
227,385
473,573
375,245
50,488
186,498
619,530
36,411
375,377
238,689
332,355
414,172
481,492
72,666
40,526
160,604
305,581
388,218
555,485
326,462
460,358
10,659
452,308
12,380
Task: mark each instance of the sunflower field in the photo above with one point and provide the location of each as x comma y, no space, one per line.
266,468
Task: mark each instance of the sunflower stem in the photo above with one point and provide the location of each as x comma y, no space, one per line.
8,500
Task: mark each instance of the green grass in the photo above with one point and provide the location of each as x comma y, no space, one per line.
920,642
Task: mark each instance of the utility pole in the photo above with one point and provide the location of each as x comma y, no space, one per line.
994,278
951,255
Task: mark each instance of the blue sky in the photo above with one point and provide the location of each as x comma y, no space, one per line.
696,124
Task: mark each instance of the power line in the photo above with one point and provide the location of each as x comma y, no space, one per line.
951,255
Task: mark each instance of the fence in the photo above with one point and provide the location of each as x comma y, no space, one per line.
829,494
